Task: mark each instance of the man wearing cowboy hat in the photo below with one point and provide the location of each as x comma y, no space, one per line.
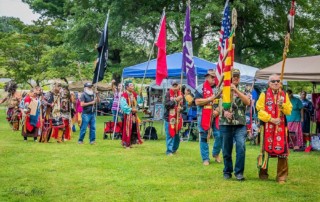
207,111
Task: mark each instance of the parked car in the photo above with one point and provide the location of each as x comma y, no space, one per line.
104,107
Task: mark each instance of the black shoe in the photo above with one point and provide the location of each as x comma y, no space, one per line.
240,177
227,176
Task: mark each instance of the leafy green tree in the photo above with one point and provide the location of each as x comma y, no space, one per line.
10,24
133,27
21,53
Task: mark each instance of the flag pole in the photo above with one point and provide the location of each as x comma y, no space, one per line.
100,59
151,51
181,77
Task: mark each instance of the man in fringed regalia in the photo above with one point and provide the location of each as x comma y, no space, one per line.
173,118
65,110
274,130
52,120
128,104
31,121
13,99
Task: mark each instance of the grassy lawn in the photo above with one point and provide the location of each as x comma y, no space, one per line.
107,172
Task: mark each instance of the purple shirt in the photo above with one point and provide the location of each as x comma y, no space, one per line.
116,98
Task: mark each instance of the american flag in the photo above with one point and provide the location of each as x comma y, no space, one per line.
224,34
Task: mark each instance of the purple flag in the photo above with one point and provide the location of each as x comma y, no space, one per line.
187,54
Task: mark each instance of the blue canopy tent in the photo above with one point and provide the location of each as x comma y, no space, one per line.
174,62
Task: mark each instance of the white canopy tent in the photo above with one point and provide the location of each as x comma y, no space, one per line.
296,69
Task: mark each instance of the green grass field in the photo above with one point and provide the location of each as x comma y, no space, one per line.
107,172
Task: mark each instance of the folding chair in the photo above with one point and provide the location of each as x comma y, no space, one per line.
109,127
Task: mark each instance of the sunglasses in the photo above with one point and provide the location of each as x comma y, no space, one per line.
274,81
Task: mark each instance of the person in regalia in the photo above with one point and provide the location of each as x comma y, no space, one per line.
31,121
13,99
208,117
173,117
52,120
129,106
273,106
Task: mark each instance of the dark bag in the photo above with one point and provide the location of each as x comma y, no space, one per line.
150,133
57,121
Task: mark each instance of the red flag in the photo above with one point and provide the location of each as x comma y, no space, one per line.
162,70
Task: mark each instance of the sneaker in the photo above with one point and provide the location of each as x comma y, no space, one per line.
240,177
80,142
93,143
170,154
227,176
206,163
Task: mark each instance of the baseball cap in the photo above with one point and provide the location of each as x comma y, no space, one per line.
88,84
235,72
174,82
211,73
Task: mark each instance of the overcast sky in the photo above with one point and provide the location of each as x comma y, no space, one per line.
16,8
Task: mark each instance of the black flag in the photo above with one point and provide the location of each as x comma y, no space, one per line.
102,48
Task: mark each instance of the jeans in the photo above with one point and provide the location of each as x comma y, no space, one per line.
114,113
86,120
217,146
230,134
172,143
204,147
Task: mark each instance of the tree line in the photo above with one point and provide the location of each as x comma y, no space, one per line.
61,44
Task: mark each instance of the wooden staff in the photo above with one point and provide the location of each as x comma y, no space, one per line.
179,104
